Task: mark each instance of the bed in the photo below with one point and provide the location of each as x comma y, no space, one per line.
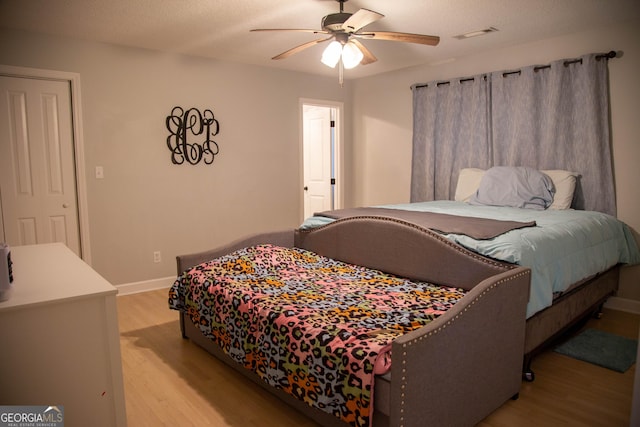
575,255
429,377
439,242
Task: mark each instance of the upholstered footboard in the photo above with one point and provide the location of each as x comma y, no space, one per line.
464,365
455,371
458,368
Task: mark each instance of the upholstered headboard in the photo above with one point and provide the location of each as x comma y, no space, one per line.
399,248
385,244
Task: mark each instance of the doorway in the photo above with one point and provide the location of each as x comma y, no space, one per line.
42,185
321,153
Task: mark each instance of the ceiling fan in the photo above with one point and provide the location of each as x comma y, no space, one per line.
346,30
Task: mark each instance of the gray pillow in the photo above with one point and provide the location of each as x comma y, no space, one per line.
518,187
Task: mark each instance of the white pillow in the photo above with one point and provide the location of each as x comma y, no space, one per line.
468,183
565,183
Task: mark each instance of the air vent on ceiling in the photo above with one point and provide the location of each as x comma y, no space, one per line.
476,33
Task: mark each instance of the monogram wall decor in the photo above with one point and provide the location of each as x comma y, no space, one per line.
191,135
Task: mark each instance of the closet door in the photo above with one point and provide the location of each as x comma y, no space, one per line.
37,170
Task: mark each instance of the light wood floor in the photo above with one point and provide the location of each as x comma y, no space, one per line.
170,381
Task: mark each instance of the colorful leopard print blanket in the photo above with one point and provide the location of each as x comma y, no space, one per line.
317,328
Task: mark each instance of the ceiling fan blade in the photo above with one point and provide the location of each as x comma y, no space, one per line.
400,37
300,48
299,30
368,56
360,19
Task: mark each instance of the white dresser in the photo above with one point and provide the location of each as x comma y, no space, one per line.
59,339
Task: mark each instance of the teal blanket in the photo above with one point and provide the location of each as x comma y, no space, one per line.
564,247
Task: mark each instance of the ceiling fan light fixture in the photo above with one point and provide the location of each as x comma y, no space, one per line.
339,28
331,54
351,55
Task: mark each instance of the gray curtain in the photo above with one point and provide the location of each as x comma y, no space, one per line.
450,132
547,117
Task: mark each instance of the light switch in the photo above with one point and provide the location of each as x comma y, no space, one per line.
99,172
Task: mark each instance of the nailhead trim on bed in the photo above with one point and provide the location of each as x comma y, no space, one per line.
404,353
439,237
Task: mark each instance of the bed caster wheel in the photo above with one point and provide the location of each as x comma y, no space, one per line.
515,396
598,313
528,376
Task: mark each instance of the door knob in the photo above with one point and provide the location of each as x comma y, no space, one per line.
306,188
65,205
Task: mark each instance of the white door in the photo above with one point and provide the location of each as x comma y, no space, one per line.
37,171
317,153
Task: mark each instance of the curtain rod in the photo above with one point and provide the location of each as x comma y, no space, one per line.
609,55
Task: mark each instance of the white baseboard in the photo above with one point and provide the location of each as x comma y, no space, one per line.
145,286
623,304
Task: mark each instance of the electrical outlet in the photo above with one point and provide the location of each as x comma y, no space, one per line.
157,257
99,172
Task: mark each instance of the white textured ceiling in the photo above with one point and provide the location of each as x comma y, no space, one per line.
220,28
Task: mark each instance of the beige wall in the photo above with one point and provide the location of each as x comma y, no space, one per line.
145,203
382,119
